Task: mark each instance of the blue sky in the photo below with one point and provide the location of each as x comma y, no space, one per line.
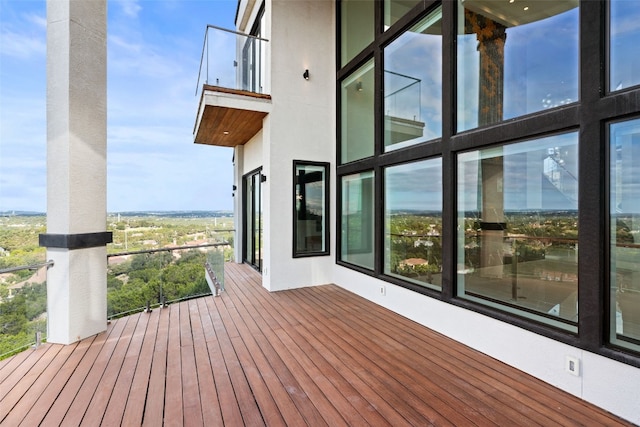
154,49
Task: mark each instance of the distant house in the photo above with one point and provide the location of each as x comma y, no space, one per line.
412,262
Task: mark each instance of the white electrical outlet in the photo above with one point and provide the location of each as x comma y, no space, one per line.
383,290
572,365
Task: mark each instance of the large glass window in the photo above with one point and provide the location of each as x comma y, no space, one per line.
357,27
518,228
624,154
413,84
624,61
311,201
515,60
357,234
396,9
357,114
413,222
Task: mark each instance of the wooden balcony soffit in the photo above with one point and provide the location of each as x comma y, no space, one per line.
229,117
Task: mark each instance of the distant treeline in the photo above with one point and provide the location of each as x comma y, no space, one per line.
163,214
175,214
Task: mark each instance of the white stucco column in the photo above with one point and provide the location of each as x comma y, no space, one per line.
76,235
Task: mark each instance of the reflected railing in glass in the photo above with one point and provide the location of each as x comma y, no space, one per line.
232,60
23,307
402,97
531,265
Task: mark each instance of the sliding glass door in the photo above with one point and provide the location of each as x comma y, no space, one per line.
252,219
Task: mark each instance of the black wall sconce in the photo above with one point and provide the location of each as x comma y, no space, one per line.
359,86
306,74
263,178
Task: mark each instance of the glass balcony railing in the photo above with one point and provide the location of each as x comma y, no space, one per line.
136,281
23,307
232,60
402,96
147,279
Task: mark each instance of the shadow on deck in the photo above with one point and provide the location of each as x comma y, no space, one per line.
313,356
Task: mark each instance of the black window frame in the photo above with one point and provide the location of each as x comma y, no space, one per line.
590,115
295,214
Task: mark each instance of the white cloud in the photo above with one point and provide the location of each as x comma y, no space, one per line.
22,45
38,20
131,8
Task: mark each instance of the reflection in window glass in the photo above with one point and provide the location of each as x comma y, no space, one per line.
624,153
518,228
624,39
413,85
514,61
310,222
357,139
357,27
413,222
357,219
396,9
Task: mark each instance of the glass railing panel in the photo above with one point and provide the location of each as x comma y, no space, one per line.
215,270
146,279
232,60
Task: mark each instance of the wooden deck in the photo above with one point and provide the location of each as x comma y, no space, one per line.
314,356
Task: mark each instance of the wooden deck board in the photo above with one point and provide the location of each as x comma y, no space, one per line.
229,406
153,414
103,384
124,377
173,391
137,394
39,409
211,412
453,403
313,356
35,379
487,374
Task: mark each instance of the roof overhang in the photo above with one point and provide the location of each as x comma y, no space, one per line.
511,14
229,117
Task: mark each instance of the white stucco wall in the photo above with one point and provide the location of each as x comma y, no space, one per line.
301,126
606,383
252,158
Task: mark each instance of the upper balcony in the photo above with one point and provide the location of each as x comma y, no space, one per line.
231,85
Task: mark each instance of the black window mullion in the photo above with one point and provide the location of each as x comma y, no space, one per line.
379,18
378,149
378,204
592,170
449,215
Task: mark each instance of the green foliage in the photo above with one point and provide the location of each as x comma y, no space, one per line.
20,317
13,315
155,261
20,239
153,276
113,282
36,300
